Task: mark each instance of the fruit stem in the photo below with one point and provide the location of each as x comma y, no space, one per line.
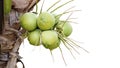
66,19
64,42
62,55
72,42
36,6
61,6
52,55
67,12
42,7
53,5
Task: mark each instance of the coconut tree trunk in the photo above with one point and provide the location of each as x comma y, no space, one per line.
11,32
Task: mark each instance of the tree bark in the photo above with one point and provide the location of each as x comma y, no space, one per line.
1,15
10,36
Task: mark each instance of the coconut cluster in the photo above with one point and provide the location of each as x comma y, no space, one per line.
46,29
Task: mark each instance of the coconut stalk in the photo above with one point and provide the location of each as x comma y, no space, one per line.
11,32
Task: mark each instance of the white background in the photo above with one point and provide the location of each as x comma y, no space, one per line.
98,29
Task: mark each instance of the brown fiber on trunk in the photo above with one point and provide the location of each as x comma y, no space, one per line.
10,38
